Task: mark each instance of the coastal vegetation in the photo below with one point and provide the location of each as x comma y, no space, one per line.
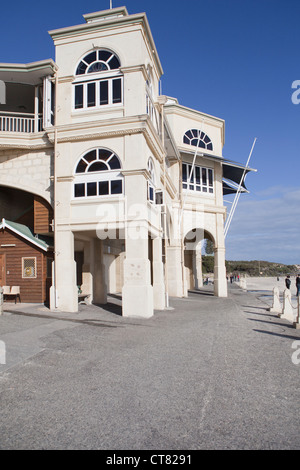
251,268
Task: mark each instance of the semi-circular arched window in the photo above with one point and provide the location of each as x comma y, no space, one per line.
98,60
198,139
98,80
98,174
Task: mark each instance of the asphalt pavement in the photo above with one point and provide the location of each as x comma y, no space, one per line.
208,373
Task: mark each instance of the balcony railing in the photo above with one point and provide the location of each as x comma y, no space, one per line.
20,122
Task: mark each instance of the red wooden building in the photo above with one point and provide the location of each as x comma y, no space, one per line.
25,261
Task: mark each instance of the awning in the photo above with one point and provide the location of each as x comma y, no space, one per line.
229,189
232,171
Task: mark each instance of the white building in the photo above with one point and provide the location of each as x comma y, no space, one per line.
91,139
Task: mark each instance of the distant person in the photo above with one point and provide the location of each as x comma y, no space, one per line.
287,282
298,285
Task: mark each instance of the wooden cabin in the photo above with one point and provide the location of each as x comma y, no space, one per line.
25,261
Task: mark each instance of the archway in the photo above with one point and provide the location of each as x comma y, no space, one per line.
198,268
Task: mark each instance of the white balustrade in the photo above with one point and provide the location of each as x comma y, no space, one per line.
17,122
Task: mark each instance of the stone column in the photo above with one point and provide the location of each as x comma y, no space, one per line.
137,292
220,283
159,300
175,275
87,277
67,292
197,268
97,269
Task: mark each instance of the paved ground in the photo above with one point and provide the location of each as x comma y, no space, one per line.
208,374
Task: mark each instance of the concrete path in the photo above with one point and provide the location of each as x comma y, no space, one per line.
208,374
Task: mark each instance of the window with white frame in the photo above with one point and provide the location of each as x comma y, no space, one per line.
201,179
197,138
150,106
151,182
29,268
97,174
98,81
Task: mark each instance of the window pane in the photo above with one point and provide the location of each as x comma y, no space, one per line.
114,63
197,168
79,190
90,156
103,188
191,174
78,96
81,167
98,166
90,57
151,193
117,96
91,94
184,175
210,177
104,55
104,154
116,187
204,177
91,189
114,163
97,67
81,68
103,92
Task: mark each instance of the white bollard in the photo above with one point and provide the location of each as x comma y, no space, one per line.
287,311
276,307
243,283
297,322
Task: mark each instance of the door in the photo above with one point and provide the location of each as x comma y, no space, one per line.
2,270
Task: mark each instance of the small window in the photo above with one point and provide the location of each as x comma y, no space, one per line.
197,138
28,268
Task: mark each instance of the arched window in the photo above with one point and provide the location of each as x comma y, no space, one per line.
98,61
98,81
98,174
151,182
197,138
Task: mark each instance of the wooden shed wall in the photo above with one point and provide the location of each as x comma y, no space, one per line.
32,289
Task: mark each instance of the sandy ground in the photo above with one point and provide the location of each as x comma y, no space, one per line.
268,284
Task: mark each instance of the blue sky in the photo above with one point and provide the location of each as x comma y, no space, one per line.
230,58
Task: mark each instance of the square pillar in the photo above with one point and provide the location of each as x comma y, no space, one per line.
137,292
159,297
87,277
220,281
66,288
98,273
197,268
175,274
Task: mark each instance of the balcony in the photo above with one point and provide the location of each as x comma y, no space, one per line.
26,103
20,122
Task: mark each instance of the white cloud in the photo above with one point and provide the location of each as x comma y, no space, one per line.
266,229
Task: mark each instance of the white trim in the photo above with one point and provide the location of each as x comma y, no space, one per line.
4,225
